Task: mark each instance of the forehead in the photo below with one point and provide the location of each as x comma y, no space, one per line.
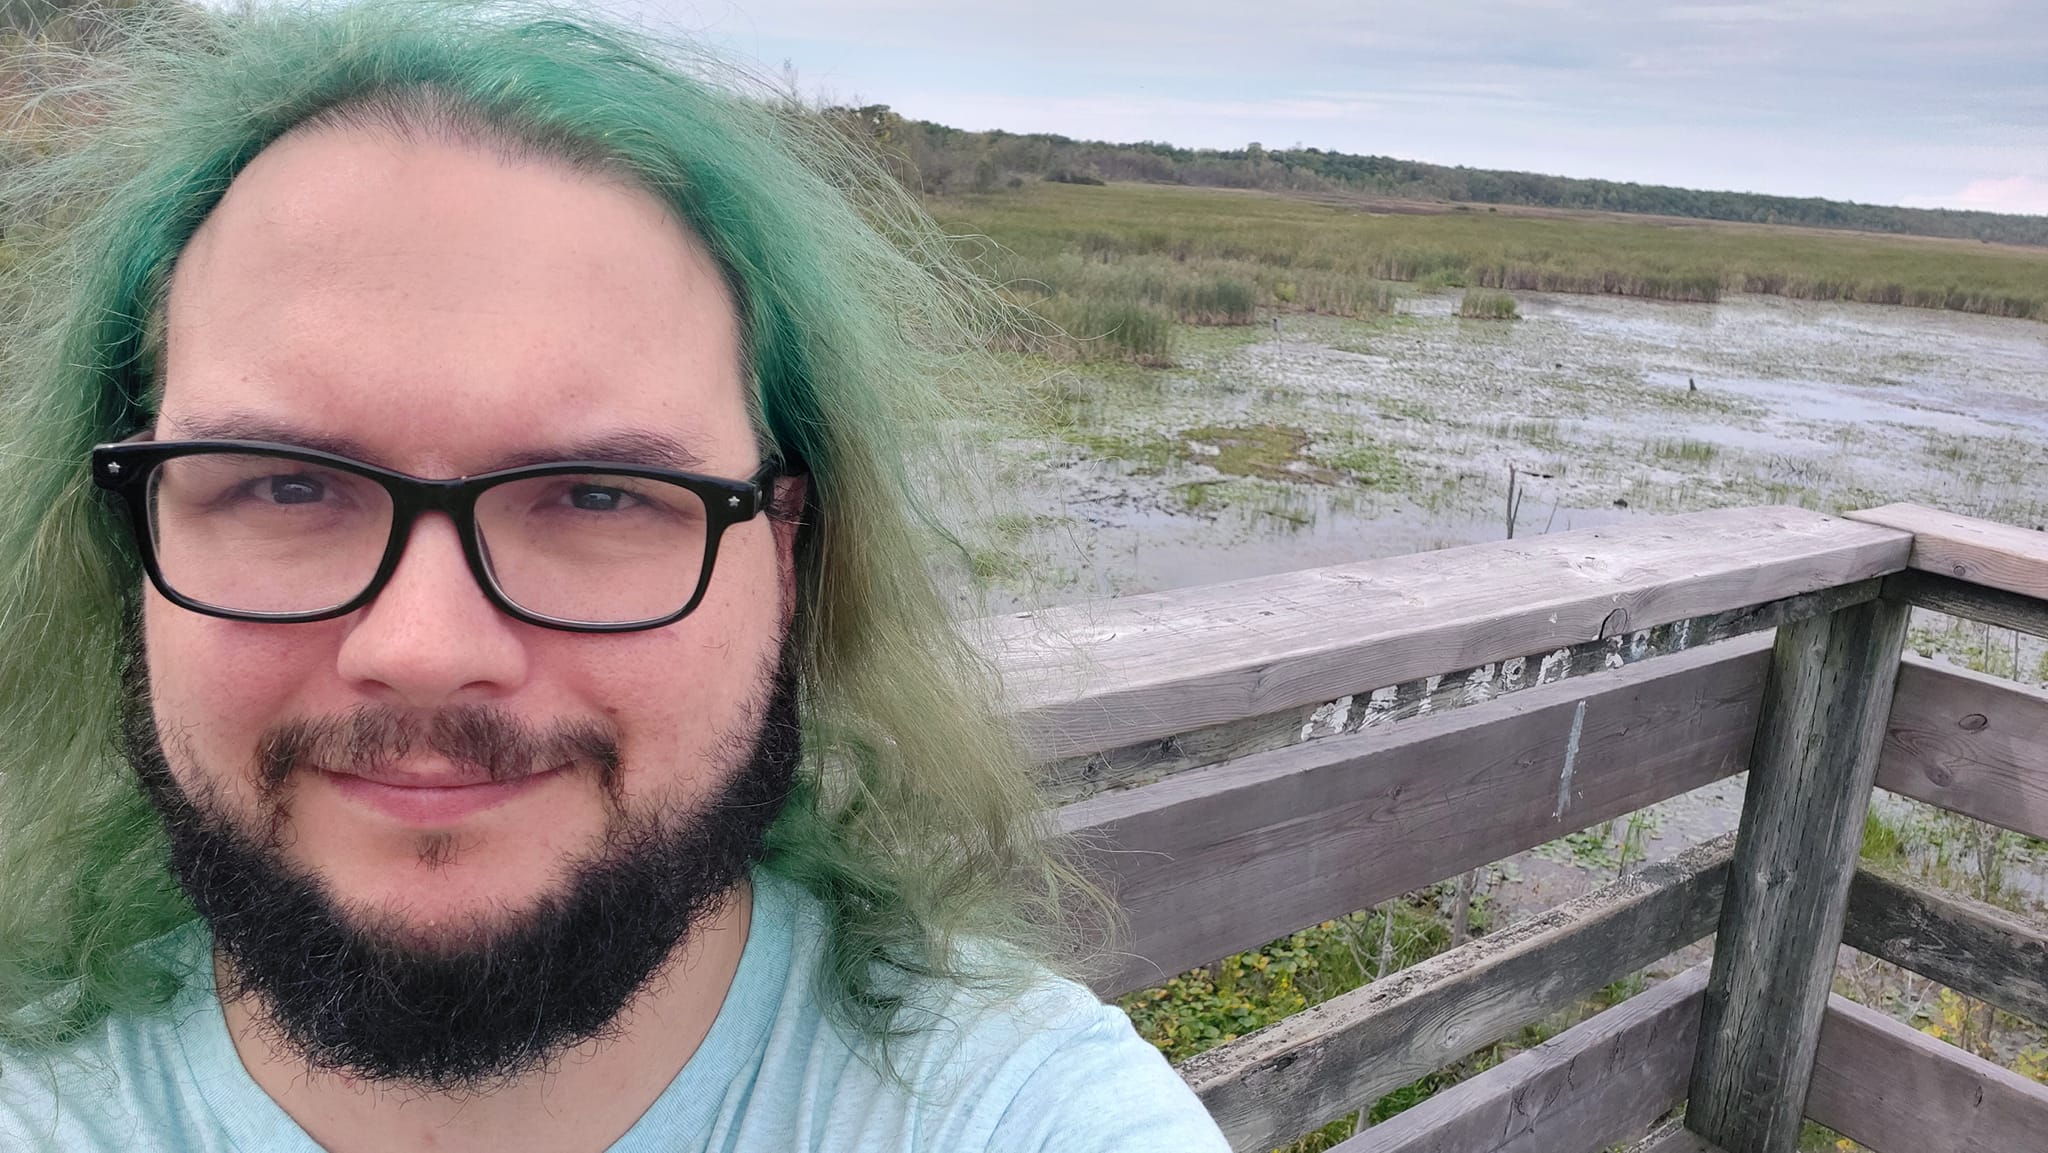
443,307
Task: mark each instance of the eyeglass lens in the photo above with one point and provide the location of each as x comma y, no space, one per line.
249,532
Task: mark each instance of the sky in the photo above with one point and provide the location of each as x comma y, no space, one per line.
1916,102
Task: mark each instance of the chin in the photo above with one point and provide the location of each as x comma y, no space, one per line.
445,924
440,890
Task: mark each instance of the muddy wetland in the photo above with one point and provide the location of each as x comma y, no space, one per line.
1321,440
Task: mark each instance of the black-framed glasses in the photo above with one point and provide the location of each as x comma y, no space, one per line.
255,531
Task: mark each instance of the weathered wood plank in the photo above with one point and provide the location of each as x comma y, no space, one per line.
1673,1137
1599,1082
1982,552
1816,754
1957,598
1898,1090
1089,677
1270,1087
1969,743
1132,765
1224,858
1974,948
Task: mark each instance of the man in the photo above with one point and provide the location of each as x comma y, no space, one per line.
497,559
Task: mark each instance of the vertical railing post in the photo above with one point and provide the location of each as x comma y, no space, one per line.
1810,773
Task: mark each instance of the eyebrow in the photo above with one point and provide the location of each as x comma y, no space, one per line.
627,446
643,447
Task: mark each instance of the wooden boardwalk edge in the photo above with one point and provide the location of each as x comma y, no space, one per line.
1979,552
1103,675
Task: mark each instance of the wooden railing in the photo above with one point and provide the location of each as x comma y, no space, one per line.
1251,758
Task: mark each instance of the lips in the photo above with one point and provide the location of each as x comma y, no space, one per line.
432,799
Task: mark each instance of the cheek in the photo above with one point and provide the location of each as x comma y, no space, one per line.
218,685
679,693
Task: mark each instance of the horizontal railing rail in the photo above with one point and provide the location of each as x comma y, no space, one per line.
1147,761
1600,1082
1897,1090
1985,554
1225,858
1105,675
1969,743
1977,949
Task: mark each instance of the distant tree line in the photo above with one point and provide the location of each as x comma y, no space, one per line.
938,160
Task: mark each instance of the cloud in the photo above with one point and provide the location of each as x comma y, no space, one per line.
1730,13
2021,193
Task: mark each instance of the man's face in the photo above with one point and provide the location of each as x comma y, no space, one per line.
438,311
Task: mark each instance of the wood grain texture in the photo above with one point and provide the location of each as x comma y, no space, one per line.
1673,1137
1974,948
1225,858
1272,1086
1972,602
1816,753
1599,1082
1898,1090
1133,765
1090,677
1969,743
1982,552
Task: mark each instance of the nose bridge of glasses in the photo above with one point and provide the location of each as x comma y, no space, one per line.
414,497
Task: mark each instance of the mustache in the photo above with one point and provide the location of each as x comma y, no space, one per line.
486,737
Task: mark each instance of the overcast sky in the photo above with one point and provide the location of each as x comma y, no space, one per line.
1924,102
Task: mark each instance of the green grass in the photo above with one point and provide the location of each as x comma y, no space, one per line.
1261,450
1884,839
1316,256
1686,451
1334,293
1481,305
1215,300
1369,462
1206,1007
1090,328
1979,648
1257,452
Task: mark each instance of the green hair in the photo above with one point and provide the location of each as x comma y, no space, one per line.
917,822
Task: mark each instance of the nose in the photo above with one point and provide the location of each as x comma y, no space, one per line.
431,638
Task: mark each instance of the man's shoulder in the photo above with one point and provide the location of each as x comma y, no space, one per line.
1013,1057
992,1004
1049,1066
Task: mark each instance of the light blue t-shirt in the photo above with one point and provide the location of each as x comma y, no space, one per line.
1055,1071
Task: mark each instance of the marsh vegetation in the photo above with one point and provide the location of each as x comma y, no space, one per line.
1327,249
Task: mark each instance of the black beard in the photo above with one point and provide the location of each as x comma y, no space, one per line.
358,999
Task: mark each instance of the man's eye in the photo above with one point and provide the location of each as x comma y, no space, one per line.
598,498
295,489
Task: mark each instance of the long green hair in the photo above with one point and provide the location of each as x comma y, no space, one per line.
917,823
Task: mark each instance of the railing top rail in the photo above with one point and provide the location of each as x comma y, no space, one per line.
1094,676
1981,552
